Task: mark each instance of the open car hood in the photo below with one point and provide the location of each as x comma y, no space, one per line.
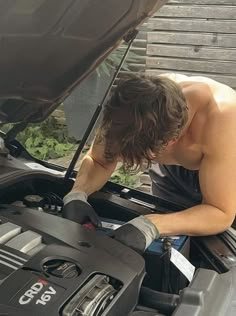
49,46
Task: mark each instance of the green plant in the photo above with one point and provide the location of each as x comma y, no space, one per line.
129,180
46,140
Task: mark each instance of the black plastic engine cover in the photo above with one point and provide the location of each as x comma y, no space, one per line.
38,287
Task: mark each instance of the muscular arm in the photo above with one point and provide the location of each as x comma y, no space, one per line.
217,177
94,171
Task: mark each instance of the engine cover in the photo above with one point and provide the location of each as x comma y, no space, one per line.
52,266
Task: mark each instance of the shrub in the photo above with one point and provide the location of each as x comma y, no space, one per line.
46,140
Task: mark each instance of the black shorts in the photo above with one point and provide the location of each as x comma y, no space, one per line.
176,184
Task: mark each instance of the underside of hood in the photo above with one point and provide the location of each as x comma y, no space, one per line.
47,47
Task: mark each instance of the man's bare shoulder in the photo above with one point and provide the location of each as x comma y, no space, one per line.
223,95
218,114
182,78
175,76
219,134
214,85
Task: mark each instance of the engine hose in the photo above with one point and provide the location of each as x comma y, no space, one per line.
163,302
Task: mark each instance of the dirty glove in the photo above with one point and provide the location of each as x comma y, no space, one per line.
77,209
137,234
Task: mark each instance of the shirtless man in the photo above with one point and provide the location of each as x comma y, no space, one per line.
184,128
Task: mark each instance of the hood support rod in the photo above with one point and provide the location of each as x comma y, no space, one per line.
129,37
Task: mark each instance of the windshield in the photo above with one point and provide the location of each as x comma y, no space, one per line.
56,139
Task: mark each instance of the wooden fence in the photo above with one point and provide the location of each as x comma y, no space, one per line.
194,37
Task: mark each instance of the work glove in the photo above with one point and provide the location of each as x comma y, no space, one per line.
77,209
137,234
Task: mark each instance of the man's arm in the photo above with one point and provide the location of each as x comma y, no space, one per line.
93,174
94,171
217,177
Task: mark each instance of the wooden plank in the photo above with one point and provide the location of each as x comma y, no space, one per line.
139,59
135,67
142,35
200,12
192,25
142,31
123,74
189,38
226,79
139,50
208,2
138,47
143,27
220,67
140,43
196,52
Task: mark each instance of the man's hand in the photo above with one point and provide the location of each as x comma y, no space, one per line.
137,234
76,208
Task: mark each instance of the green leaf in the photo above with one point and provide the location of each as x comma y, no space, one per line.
37,141
29,142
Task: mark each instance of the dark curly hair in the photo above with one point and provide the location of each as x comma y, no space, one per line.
143,114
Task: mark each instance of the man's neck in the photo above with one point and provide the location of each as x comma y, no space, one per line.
195,105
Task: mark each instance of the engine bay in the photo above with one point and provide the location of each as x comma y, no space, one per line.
51,265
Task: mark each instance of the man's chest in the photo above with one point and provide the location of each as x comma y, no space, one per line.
188,153
189,157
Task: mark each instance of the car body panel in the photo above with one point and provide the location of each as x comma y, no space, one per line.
49,47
